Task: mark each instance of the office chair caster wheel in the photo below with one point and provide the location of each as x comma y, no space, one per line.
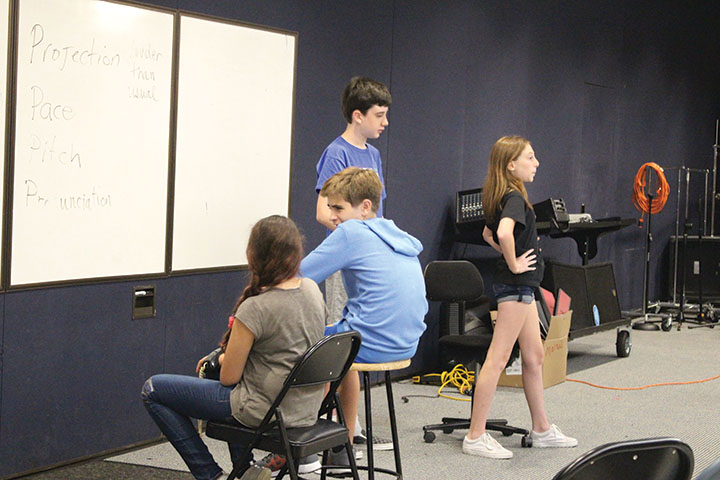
623,345
526,441
429,437
448,431
666,324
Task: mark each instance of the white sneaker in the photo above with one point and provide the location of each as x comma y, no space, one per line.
485,446
553,438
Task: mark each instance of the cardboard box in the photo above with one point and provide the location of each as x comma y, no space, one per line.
556,349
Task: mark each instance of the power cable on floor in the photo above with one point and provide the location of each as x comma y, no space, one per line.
665,384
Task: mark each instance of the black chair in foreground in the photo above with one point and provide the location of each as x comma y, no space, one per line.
325,362
710,473
458,283
648,459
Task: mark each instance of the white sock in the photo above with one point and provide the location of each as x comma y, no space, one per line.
358,428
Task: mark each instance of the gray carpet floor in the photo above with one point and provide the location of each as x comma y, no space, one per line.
593,415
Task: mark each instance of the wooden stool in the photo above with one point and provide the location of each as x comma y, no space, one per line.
387,367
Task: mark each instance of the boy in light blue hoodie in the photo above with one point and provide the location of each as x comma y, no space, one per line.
381,272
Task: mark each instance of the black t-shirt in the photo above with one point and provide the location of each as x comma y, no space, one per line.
513,206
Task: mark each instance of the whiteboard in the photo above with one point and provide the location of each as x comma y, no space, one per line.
235,102
92,136
4,24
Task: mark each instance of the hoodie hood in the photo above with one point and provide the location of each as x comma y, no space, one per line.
400,241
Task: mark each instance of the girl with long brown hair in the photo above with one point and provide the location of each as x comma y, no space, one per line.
510,230
276,319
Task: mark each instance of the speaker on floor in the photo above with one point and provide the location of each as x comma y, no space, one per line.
588,286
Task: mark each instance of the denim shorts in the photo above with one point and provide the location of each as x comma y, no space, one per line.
513,293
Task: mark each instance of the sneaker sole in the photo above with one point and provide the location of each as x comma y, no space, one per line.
376,446
309,467
498,455
535,445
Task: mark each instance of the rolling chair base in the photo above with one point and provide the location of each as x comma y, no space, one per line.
450,424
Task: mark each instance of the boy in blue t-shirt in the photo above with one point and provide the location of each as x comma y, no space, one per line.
365,104
382,274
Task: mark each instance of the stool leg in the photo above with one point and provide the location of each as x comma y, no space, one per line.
393,424
368,427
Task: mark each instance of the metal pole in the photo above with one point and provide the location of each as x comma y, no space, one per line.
705,204
714,180
677,235
648,240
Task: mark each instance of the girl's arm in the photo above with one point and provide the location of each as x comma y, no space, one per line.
517,265
488,237
232,363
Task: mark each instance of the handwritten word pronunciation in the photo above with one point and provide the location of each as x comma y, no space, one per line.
77,201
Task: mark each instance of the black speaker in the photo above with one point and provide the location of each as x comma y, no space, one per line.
588,286
702,264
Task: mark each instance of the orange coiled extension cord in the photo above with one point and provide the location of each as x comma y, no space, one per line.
640,199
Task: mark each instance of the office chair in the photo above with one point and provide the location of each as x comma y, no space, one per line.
457,284
325,362
650,459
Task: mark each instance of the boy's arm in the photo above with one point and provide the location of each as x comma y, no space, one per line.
322,213
329,257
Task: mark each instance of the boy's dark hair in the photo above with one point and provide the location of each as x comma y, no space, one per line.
361,94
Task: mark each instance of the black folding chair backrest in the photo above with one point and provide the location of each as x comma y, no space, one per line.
648,459
453,281
325,362
710,473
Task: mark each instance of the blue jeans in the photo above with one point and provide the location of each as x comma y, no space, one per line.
172,400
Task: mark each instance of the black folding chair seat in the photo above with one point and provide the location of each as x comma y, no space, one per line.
304,441
326,362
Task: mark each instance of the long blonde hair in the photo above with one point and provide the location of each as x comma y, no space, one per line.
499,180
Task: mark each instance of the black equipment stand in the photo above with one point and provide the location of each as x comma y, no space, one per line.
706,316
664,320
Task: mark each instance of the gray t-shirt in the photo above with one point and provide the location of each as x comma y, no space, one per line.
285,323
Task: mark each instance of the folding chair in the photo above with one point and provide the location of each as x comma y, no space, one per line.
325,362
650,459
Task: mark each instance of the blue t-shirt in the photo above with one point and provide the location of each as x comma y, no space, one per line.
340,155
384,282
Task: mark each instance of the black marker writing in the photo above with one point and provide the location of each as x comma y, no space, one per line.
32,198
61,55
47,110
46,151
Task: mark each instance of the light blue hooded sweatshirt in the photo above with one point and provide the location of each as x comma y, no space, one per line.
384,284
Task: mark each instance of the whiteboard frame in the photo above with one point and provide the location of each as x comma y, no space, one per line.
8,143
9,149
171,207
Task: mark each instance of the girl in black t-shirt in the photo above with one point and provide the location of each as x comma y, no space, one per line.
511,231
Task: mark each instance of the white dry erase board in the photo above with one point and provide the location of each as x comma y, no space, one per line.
4,24
91,145
233,138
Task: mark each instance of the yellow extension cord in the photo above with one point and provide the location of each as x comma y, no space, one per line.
459,377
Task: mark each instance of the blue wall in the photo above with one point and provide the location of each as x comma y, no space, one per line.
600,89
